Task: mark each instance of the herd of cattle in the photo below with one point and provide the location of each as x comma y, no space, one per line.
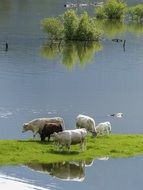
55,127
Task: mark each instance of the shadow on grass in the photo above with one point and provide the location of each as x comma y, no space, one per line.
35,141
29,140
63,152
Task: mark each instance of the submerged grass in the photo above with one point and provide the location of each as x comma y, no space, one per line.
25,151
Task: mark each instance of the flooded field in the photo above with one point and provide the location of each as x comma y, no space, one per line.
39,81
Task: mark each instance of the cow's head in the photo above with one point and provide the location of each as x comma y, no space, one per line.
94,133
25,127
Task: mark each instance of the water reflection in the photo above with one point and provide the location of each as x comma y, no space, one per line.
5,4
5,7
71,53
112,28
136,28
71,171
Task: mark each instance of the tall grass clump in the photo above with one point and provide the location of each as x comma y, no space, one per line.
135,13
71,26
112,9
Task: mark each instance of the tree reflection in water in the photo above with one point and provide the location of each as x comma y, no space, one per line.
136,28
71,171
71,53
112,28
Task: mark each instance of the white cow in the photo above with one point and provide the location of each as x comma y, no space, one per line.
70,137
83,121
37,125
103,128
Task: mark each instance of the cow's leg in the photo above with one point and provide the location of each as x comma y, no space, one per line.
82,144
48,138
34,134
68,147
42,138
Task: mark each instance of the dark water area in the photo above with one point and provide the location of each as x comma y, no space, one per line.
95,80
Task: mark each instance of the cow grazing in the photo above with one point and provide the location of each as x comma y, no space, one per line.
103,128
70,137
49,129
37,125
83,121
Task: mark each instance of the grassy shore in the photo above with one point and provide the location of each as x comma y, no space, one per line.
26,151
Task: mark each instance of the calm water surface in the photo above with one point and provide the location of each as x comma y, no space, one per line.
38,81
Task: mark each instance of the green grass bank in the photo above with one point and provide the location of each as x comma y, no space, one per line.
27,151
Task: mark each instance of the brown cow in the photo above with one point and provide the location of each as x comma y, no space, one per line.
49,129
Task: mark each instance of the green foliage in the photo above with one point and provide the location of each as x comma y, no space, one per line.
100,13
87,29
81,27
136,13
112,9
70,24
53,27
115,9
72,27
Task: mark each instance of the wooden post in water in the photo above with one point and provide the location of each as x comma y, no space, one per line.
6,46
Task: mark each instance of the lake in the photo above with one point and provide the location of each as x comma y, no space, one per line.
97,80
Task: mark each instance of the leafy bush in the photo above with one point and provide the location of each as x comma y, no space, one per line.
112,9
53,27
100,13
70,24
87,29
136,12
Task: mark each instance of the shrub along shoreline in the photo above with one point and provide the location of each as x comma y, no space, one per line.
34,151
